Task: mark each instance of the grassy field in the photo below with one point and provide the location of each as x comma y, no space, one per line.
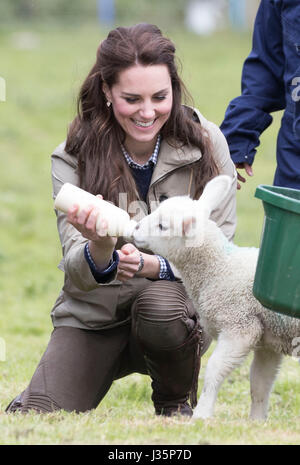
42,80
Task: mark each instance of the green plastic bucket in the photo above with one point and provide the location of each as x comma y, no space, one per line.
277,277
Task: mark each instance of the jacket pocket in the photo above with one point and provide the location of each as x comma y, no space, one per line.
93,310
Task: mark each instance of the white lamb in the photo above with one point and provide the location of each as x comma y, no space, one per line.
218,276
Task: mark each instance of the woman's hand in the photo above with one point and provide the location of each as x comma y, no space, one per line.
85,223
248,170
130,258
101,246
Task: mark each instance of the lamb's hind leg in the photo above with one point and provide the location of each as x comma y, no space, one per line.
263,371
229,353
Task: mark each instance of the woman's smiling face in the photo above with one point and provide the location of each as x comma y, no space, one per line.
142,102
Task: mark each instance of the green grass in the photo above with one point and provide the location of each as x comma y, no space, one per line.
42,84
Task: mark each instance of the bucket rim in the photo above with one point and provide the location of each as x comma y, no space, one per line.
278,196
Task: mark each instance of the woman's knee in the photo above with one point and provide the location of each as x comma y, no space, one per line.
26,401
75,372
163,315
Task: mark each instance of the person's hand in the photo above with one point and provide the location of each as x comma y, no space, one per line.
129,262
85,223
130,259
247,168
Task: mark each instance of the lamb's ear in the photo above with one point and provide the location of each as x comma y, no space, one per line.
188,224
214,192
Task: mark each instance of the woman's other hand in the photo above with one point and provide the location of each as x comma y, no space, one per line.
130,259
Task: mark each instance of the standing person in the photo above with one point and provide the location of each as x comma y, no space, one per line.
270,82
122,310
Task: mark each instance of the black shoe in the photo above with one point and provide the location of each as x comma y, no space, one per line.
176,410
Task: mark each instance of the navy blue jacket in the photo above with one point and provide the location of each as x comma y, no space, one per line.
270,82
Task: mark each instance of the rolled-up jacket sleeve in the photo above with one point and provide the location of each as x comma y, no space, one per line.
225,214
74,263
263,92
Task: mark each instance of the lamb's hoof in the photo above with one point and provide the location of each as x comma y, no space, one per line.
256,417
201,414
258,412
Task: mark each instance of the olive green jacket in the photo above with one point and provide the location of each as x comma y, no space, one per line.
84,303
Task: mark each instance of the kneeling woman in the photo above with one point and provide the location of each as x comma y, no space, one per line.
123,310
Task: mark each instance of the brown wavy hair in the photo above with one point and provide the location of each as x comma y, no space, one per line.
94,136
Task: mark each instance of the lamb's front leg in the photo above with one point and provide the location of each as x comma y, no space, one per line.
263,371
229,353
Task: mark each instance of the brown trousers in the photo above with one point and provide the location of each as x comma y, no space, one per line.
79,366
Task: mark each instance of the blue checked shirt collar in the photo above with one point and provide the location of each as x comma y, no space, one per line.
152,159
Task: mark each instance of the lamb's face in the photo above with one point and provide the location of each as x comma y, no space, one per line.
179,221
170,227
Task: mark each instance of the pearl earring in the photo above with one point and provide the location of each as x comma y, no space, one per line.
108,103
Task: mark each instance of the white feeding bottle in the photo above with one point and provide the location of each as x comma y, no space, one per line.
118,220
